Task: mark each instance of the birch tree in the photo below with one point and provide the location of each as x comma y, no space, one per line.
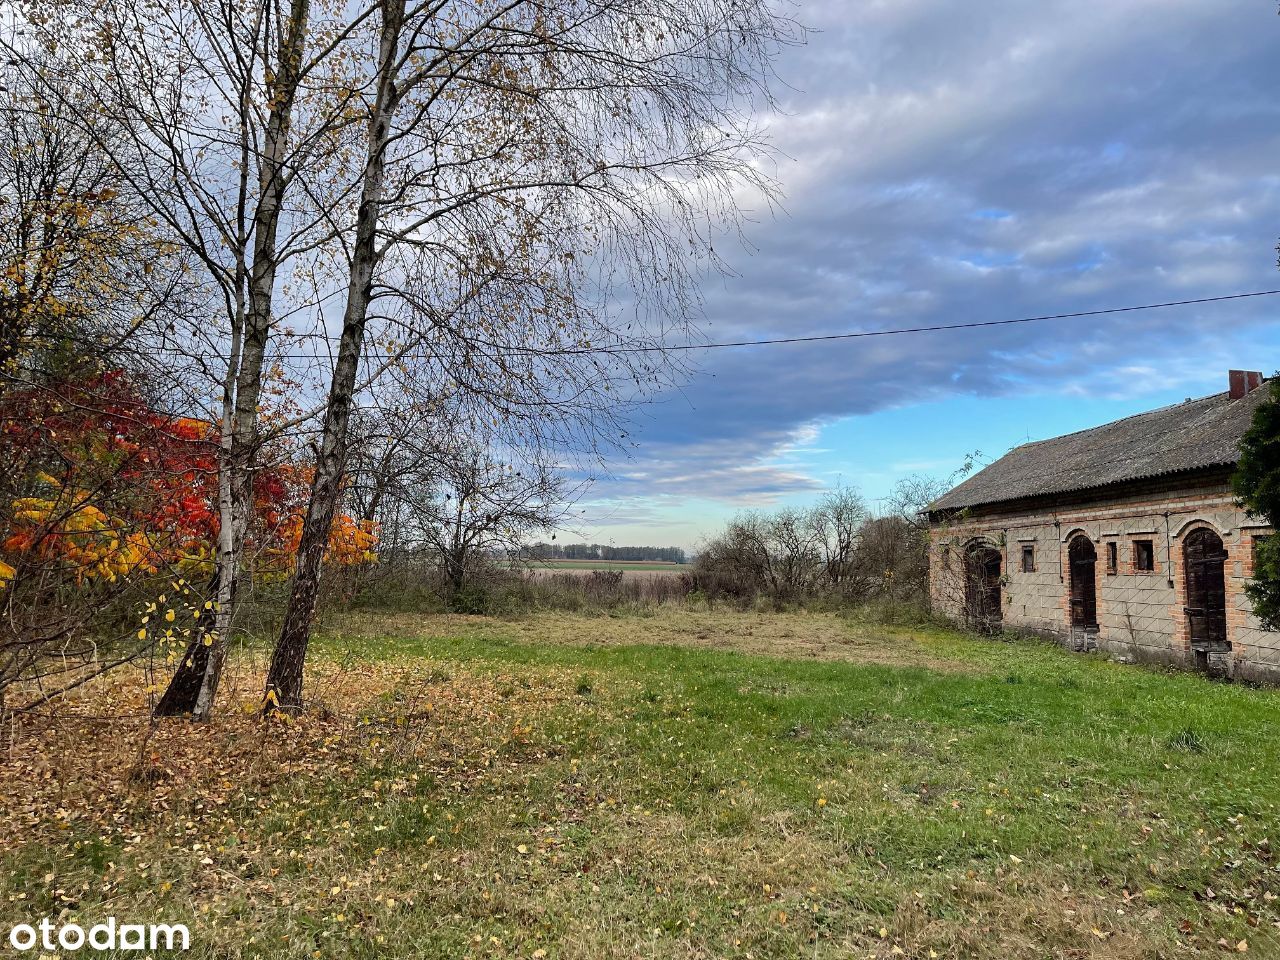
528,189
194,106
547,157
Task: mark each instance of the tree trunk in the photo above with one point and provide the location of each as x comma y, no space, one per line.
288,660
244,384
183,692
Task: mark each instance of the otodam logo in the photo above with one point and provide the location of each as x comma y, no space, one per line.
107,935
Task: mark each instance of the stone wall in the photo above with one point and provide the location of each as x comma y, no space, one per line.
1140,613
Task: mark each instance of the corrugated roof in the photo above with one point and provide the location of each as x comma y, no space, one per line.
1186,436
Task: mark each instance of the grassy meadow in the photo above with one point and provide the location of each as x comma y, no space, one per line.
686,784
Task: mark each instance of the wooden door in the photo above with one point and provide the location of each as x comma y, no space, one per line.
1204,558
1083,561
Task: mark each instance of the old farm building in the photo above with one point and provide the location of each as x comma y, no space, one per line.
1124,538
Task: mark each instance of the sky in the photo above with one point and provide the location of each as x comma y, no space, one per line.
946,163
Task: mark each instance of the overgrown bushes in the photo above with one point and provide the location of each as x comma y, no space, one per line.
834,553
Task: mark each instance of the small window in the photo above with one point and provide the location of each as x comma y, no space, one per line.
1144,556
1029,558
1113,557
946,556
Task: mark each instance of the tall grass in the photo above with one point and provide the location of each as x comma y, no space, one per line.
504,592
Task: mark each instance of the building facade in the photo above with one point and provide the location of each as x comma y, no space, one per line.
1124,538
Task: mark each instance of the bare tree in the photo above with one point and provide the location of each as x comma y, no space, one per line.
444,483
836,549
486,507
839,520
531,155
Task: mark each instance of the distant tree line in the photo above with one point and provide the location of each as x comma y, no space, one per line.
599,551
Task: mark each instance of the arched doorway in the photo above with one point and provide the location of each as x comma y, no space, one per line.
983,610
1082,560
1204,558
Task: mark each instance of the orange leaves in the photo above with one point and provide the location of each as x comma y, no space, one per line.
351,541
112,487
64,526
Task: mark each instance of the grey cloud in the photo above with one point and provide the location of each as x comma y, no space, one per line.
961,162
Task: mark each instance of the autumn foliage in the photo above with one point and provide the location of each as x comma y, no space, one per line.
103,486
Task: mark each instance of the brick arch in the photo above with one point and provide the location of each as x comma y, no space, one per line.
1192,523
979,540
1080,562
1178,574
1077,532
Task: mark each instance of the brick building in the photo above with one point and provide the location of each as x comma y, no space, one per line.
1124,538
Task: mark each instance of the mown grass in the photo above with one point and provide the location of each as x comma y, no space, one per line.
562,786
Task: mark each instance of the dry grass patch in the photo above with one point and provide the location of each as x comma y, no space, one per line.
795,636
99,762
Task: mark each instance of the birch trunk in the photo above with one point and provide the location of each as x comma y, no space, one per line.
288,660
240,402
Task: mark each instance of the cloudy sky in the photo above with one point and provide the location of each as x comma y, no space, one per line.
952,162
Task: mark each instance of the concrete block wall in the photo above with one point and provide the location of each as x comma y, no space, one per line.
1140,613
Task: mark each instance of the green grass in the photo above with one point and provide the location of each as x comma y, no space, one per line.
560,784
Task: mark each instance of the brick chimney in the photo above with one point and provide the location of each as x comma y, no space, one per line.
1242,382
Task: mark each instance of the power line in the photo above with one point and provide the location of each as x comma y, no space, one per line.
896,331
778,341
945,326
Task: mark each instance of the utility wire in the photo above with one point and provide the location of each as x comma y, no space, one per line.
930,329
778,341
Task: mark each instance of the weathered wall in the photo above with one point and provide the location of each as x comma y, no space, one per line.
1140,614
